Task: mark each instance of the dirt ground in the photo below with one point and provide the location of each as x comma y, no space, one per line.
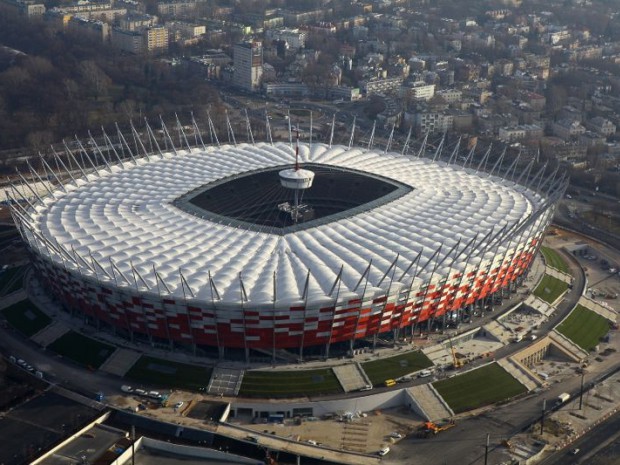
367,433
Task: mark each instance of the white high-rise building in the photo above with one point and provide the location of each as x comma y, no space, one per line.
248,61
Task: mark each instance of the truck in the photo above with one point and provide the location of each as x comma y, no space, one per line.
562,398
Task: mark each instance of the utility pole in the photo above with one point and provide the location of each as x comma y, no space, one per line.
542,419
133,444
486,450
583,373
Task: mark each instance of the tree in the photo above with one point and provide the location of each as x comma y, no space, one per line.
94,76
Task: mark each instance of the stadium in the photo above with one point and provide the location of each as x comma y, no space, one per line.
223,250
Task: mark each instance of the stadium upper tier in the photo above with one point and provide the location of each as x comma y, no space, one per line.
123,226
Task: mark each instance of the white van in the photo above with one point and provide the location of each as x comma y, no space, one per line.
425,374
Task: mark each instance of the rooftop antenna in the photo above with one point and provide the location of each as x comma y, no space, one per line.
298,180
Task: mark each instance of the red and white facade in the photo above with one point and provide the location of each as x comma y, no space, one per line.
113,246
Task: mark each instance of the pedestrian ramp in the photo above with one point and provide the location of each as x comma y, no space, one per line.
12,298
522,452
351,377
520,373
498,331
426,401
565,277
438,354
120,362
539,305
602,310
567,346
50,333
225,381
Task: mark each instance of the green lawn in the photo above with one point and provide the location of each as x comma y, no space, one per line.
169,374
554,259
26,317
11,279
394,367
82,349
584,327
478,388
550,289
292,383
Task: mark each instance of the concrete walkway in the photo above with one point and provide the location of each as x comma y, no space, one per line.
225,382
596,307
351,377
50,333
120,362
565,277
12,298
539,305
431,404
572,350
520,373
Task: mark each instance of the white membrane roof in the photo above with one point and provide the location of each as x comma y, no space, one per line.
128,216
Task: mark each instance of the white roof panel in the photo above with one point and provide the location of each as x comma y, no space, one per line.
128,213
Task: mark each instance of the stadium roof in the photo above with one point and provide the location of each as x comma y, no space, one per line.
127,216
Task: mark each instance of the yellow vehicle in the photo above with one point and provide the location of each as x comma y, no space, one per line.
390,382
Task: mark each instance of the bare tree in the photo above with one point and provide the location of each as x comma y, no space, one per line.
95,77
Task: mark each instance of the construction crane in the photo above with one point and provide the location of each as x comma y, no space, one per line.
456,362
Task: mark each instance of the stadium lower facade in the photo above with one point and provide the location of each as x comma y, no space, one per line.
193,249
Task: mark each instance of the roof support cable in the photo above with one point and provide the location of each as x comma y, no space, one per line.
153,139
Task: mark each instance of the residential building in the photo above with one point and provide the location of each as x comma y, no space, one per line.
296,18
248,64
344,93
180,30
450,96
287,89
428,120
566,129
156,39
137,21
520,132
182,8
96,30
22,7
293,37
381,86
128,41
418,91
602,126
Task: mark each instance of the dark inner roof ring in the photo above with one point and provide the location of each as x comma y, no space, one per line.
250,200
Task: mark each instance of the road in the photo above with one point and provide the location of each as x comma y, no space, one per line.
57,370
589,445
575,223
